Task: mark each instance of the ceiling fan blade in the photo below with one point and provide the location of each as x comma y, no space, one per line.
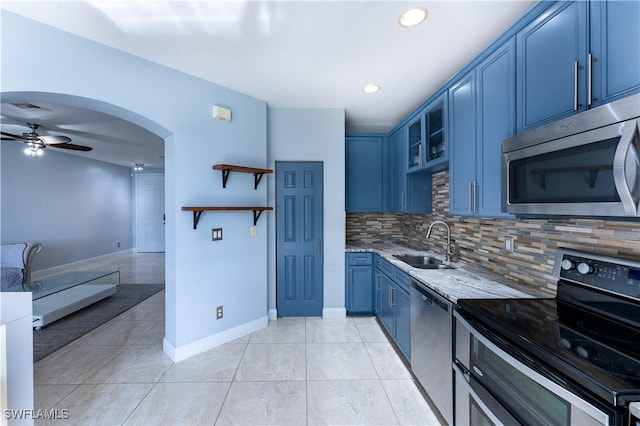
71,146
54,140
12,136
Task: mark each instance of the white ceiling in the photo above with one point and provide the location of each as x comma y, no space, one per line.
296,53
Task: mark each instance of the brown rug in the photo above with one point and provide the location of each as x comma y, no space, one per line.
65,330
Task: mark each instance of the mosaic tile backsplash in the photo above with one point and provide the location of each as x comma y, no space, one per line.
480,241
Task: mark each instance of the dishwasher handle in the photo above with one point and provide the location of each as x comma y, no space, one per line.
429,297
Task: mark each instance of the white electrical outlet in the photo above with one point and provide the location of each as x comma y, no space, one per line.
509,244
254,231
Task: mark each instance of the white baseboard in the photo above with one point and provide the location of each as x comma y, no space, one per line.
273,314
84,263
183,352
333,313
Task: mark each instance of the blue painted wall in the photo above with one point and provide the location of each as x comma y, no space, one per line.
312,134
200,274
76,207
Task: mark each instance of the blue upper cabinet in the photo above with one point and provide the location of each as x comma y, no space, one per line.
398,174
426,138
615,51
462,119
436,152
481,115
415,139
364,171
496,118
552,54
566,66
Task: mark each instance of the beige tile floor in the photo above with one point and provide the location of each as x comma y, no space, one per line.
297,371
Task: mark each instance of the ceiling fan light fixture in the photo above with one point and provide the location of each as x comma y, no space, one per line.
412,17
34,149
138,167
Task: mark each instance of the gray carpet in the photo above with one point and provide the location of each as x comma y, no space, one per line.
58,334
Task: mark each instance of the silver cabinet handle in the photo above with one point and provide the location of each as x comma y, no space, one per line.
377,282
575,85
420,155
475,196
589,79
626,162
470,190
403,202
351,278
391,296
319,248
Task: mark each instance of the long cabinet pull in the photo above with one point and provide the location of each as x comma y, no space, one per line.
319,248
351,279
403,202
589,79
575,85
470,196
475,196
391,296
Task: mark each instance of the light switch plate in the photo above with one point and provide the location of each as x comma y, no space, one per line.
216,234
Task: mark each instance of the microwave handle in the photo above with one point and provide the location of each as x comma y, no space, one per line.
629,192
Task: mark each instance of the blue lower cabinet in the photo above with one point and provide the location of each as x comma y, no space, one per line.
359,283
377,293
393,304
387,311
403,320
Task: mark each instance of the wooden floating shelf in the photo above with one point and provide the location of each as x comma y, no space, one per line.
228,168
197,212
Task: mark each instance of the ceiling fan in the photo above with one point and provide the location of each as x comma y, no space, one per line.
36,143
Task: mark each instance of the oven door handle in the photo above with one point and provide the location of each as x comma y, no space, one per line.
480,403
626,168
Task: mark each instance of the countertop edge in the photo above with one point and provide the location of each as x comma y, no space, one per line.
463,281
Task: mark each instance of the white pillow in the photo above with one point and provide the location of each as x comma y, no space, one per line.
11,255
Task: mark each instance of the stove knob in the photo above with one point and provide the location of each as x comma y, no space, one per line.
565,344
567,265
585,268
581,351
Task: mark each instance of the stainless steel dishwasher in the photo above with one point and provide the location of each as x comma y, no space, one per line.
431,347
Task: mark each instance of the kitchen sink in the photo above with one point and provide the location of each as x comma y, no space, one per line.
422,262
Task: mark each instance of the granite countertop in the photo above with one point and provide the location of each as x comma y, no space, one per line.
461,282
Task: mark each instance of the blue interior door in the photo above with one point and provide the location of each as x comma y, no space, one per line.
299,239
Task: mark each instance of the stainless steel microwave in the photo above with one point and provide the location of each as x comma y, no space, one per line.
584,165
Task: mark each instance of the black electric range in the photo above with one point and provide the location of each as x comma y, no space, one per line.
588,335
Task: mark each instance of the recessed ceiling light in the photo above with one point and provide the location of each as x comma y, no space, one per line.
412,17
371,88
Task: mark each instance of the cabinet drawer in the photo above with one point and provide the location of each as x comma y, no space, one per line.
385,267
359,258
402,279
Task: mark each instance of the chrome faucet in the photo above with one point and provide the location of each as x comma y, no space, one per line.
450,249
